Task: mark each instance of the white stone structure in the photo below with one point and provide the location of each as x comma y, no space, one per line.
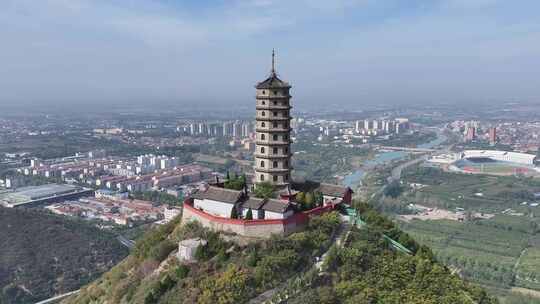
187,249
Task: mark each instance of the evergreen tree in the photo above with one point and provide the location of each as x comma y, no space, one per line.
249,214
309,201
234,213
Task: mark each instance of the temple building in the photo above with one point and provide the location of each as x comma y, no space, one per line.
273,153
220,208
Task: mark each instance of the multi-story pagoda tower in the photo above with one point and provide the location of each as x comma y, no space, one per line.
273,152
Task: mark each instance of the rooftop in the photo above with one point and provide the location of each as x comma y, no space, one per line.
219,194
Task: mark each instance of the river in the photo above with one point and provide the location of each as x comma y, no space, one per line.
353,180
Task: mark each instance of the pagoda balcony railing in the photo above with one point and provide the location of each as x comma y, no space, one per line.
270,130
273,170
272,142
272,118
272,156
273,97
272,107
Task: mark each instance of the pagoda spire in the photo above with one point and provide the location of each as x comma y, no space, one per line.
273,62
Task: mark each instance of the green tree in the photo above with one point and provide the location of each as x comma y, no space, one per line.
249,214
309,201
234,213
264,190
300,197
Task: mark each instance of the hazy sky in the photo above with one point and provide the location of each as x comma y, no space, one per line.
332,51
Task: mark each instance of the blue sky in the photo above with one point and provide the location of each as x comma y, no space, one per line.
343,52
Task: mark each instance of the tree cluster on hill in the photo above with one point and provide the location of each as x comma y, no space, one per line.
309,200
264,190
235,182
224,273
44,254
363,270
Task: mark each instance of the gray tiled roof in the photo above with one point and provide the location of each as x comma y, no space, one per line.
332,190
253,203
219,194
272,82
274,205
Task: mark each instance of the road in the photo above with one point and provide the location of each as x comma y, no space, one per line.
126,242
58,298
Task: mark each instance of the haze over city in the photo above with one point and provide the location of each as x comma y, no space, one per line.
343,52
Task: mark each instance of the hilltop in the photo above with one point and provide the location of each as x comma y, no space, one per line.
360,268
43,255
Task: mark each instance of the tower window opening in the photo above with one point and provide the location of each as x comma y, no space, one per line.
275,151
275,92
262,177
275,178
275,124
263,124
263,102
275,137
263,137
262,163
275,103
275,164
275,114
263,113
263,92
287,177
262,150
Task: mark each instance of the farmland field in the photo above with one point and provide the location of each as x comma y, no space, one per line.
502,252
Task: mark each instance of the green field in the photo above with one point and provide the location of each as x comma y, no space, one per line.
482,193
502,252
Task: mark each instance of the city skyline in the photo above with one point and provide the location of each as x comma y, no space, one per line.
339,52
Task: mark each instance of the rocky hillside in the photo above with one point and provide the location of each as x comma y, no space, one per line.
361,268
42,255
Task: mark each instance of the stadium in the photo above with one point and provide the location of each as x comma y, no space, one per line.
496,162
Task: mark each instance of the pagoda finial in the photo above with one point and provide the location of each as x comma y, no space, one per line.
273,62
